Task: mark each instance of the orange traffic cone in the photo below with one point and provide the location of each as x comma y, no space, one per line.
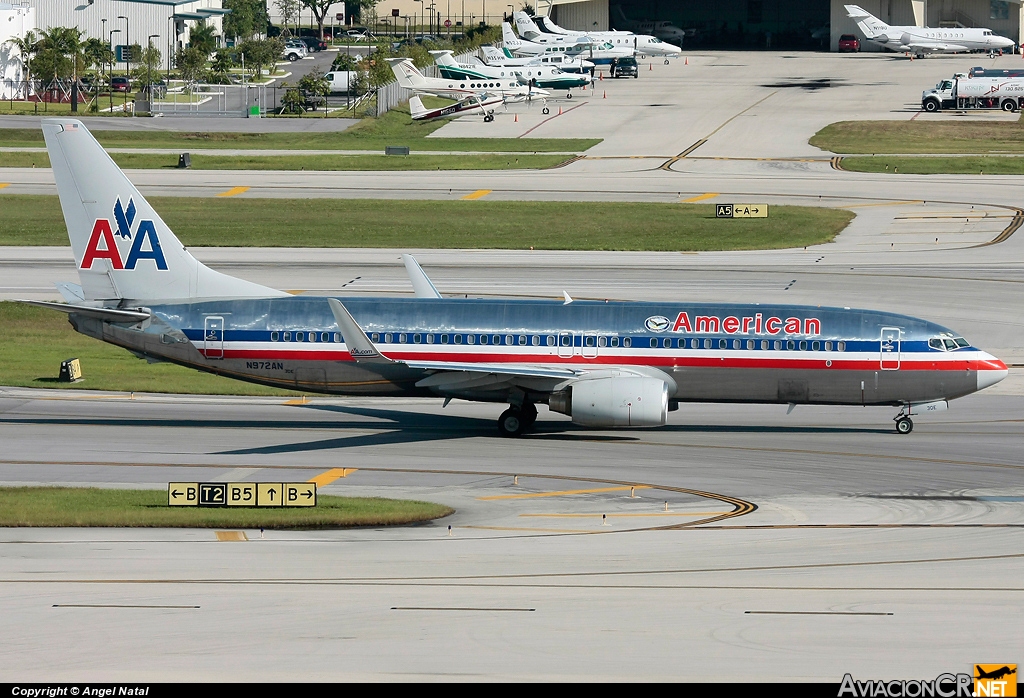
650,66
600,76
686,61
605,95
559,111
516,119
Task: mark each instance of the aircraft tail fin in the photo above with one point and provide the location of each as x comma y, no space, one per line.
509,36
868,24
122,248
406,73
526,26
444,58
416,108
491,54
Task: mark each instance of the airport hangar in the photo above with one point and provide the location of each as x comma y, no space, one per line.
751,24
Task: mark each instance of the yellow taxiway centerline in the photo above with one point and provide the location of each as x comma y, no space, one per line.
234,191
563,493
702,197
478,194
331,475
4,184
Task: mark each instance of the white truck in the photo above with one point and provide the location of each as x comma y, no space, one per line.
1006,93
342,81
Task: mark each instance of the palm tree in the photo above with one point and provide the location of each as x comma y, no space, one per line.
203,37
27,48
61,53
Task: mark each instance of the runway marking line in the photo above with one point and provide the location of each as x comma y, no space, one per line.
702,197
234,191
232,535
478,194
297,401
529,530
653,513
4,184
885,203
331,475
563,493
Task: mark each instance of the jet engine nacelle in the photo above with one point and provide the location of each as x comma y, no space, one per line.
617,401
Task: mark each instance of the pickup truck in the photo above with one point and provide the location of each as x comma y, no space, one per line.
341,80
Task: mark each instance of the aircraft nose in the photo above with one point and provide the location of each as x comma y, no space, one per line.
990,371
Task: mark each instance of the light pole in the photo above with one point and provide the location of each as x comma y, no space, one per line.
149,67
103,33
421,16
511,10
110,75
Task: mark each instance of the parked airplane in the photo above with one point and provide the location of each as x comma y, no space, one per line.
418,112
664,30
545,24
472,92
568,64
922,40
548,77
642,44
605,364
600,52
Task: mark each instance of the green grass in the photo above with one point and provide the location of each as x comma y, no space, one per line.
152,161
394,128
37,340
964,164
481,224
72,506
921,137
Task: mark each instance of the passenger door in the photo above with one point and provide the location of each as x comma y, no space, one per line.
213,338
890,349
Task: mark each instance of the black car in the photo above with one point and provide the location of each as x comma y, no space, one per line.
625,66
314,43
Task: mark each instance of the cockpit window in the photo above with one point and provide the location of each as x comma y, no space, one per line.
948,343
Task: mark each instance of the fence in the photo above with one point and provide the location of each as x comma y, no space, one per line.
391,95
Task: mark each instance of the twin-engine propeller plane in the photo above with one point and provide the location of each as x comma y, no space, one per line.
605,364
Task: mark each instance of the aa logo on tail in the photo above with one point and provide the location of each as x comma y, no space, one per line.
103,244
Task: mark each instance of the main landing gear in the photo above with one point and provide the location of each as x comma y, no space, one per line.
488,118
515,421
904,425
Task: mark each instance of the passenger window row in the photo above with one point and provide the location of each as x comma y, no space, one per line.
280,336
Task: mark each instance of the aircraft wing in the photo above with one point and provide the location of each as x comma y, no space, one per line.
932,47
104,314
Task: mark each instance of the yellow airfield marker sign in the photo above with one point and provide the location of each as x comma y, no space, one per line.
241,494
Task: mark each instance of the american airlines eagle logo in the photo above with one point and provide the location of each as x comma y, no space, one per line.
657,323
103,241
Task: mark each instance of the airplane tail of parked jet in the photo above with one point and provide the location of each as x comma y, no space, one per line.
122,248
492,54
868,24
527,28
406,73
444,58
509,36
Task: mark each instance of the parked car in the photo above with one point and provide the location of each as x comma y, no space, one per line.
293,53
120,83
625,66
314,43
356,35
849,42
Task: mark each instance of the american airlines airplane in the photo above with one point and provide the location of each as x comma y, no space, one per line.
605,364
922,40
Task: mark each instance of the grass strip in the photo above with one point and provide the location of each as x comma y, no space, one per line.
549,225
875,137
36,340
116,508
393,128
324,163
964,164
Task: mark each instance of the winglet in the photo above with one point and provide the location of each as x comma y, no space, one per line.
568,298
421,284
359,346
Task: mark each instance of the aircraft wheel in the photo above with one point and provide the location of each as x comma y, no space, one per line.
904,425
511,423
488,118
529,412
666,61
568,95
545,110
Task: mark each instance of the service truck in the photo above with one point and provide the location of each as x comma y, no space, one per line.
975,93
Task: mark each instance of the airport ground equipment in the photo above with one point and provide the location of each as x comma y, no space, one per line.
1006,93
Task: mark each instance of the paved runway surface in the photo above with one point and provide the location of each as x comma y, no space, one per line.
798,546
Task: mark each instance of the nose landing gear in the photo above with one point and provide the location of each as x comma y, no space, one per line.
904,425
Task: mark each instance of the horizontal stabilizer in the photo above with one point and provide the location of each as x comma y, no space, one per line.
104,314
